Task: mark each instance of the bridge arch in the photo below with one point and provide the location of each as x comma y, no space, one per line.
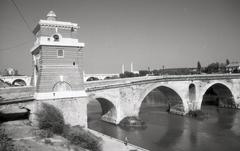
19,82
109,110
172,95
106,105
217,93
92,79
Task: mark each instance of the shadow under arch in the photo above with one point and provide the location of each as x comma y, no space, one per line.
19,82
108,109
218,94
166,97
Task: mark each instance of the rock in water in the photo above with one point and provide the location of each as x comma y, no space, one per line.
132,122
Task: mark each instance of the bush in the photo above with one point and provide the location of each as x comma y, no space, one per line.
197,114
78,136
6,144
51,119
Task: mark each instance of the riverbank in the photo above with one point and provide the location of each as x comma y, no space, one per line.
25,138
113,144
20,136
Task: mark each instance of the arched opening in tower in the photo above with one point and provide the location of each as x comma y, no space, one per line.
101,108
61,86
218,95
163,99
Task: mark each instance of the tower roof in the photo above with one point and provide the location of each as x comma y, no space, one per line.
51,15
51,22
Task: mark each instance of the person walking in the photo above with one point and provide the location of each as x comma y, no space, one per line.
126,141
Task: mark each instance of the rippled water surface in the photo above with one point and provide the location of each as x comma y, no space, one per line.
220,130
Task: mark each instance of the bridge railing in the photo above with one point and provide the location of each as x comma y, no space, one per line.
90,84
105,84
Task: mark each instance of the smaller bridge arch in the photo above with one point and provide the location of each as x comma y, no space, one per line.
109,109
19,82
107,106
219,94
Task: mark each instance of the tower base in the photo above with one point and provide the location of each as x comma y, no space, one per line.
74,110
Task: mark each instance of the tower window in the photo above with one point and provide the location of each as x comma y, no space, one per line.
56,37
60,53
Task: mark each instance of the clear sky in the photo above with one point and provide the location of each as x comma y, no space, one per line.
149,33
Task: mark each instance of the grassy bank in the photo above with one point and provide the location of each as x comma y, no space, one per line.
52,122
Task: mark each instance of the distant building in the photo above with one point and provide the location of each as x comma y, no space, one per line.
233,67
132,70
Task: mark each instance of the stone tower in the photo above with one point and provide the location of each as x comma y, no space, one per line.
58,68
57,57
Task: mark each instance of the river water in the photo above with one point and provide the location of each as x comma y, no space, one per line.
219,130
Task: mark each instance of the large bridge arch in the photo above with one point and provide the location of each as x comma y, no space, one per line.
169,90
222,91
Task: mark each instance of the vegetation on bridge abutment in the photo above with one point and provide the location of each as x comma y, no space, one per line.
51,120
133,123
50,134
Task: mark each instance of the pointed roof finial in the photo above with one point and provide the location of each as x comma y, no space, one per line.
51,16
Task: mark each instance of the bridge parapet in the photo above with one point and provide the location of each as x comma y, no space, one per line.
113,82
108,84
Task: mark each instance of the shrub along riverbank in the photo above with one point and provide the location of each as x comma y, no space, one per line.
51,120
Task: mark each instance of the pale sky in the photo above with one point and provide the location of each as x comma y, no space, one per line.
149,33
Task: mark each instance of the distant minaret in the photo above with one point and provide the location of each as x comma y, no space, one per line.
123,68
131,66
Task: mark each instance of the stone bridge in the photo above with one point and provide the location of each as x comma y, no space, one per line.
121,98
17,80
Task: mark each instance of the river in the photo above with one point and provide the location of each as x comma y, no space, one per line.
219,130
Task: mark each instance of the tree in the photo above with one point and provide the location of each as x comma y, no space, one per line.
156,72
143,72
127,74
222,68
10,72
199,67
227,62
212,68
92,79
